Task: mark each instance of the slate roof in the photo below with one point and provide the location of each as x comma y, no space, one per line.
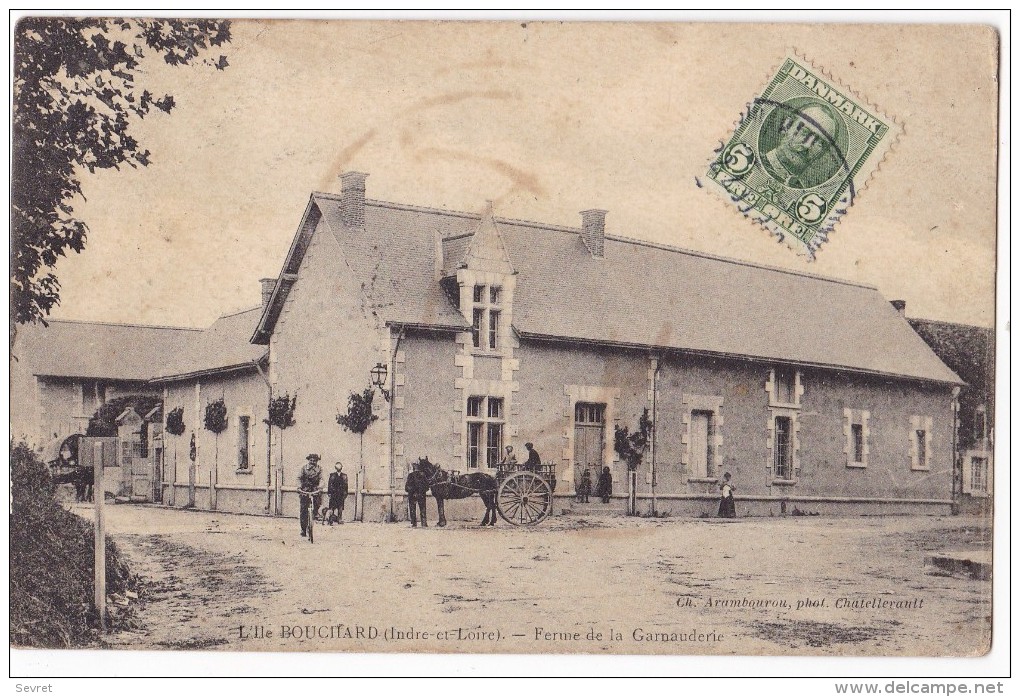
639,294
222,347
75,349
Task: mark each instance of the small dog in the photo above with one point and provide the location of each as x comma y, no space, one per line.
329,517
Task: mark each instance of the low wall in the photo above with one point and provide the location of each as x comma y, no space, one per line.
377,505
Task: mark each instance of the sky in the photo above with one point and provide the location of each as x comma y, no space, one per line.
545,120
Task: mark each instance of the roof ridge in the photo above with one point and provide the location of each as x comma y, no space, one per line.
126,324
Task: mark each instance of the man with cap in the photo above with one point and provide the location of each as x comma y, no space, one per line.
310,480
337,490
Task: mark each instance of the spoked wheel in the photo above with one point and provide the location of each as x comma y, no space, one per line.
524,498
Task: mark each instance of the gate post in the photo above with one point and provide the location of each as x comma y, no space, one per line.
99,497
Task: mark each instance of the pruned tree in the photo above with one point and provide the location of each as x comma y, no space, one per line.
358,418
281,415
216,421
75,101
631,446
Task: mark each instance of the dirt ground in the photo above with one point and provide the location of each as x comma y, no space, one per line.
828,586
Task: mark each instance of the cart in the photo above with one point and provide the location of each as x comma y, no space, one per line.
524,495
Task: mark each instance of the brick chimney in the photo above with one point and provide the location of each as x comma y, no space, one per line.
900,305
352,198
593,231
268,286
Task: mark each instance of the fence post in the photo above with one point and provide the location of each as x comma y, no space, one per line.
99,497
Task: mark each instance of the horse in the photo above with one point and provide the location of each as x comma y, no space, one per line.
446,486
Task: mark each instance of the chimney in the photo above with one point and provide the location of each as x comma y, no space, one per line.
593,231
268,286
352,198
900,305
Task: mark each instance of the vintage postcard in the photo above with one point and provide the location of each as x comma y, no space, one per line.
503,337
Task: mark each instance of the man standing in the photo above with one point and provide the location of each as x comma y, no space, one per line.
309,489
337,489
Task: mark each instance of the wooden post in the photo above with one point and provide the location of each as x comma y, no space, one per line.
632,492
99,496
212,492
279,493
359,496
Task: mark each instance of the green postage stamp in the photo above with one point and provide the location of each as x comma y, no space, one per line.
801,154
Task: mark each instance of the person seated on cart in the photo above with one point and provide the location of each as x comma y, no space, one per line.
509,461
534,462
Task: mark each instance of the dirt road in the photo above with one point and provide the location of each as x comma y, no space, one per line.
623,585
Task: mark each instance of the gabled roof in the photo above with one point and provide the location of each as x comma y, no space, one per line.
639,294
97,350
222,347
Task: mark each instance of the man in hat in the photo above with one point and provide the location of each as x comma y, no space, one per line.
337,490
310,480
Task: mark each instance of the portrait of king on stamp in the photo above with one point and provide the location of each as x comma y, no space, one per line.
797,160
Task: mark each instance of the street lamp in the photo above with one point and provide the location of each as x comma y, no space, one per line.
379,373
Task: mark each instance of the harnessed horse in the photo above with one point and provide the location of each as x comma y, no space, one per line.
444,485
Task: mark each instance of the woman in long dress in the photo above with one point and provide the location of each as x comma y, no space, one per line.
726,507
604,488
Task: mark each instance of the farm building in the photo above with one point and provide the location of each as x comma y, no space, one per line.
473,332
813,393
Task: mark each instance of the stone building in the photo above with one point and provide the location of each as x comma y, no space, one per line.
814,393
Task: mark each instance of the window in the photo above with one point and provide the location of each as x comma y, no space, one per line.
857,438
978,473
856,434
493,329
485,317
485,431
702,452
785,386
783,452
589,413
243,442
920,442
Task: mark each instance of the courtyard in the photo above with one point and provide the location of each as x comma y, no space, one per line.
784,586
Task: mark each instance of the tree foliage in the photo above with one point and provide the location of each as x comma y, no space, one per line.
631,446
359,414
75,98
104,421
281,411
175,421
216,416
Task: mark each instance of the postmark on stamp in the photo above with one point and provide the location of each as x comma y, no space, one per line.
800,156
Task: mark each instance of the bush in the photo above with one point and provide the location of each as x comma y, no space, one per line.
51,562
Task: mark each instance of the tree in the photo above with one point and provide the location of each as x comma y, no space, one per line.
216,421
631,446
358,418
281,415
75,98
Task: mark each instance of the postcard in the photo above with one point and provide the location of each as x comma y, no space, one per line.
503,337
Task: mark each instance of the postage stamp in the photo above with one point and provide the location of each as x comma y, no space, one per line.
799,157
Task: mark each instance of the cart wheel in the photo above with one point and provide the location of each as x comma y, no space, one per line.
524,498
